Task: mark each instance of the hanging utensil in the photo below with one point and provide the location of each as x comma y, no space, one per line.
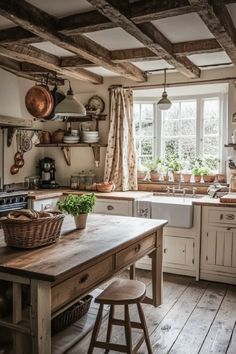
20,161
14,169
26,142
39,101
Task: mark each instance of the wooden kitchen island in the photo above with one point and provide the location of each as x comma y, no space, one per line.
56,276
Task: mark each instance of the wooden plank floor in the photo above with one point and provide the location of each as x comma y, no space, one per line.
195,317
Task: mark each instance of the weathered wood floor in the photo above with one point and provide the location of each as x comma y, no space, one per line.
195,317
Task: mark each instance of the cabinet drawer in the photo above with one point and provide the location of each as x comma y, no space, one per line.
117,207
76,286
135,251
222,216
45,204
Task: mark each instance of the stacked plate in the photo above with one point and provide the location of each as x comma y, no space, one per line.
70,139
90,136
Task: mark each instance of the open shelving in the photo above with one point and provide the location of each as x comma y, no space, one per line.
65,148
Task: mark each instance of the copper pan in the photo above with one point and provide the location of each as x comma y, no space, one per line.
39,101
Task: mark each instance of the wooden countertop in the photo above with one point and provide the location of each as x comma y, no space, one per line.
53,193
76,248
208,201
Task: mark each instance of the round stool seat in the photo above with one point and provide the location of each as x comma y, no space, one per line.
122,291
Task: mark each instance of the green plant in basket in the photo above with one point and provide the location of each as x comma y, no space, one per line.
78,206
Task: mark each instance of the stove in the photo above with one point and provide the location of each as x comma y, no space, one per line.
12,200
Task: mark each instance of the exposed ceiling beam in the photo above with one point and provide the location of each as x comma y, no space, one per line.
148,35
217,18
197,47
144,54
48,61
15,68
41,24
141,11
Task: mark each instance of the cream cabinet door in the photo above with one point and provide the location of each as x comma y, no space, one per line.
44,204
178,251
219,249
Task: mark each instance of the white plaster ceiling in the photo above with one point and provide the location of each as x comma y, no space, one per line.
210,58
114,39
183,28
5,23
53,49
61,8
152,64
232,11
101,71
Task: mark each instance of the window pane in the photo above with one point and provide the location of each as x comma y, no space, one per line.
146,147
146,111
147,128
179,130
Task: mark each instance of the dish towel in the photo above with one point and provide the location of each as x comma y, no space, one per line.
143,209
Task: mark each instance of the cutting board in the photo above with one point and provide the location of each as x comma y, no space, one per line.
228,198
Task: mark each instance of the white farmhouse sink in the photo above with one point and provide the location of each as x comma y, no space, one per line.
177,210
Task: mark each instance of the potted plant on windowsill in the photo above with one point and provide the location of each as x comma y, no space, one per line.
197,173
78,206
207,174
153,168
175,166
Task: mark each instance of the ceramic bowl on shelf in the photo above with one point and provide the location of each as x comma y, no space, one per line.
68,139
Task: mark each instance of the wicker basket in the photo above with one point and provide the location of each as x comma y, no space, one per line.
105,188
71,315
32,233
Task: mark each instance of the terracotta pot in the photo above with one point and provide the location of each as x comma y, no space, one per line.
186,177
197,179
81,221
208,179
141,175
176,176
155,176
45,137
220,177
58,136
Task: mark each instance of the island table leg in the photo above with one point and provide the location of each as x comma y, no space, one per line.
157,272
41,316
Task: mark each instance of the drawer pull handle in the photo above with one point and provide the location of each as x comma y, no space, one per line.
84,278
221,216
137,248
110,207
165,250
229,217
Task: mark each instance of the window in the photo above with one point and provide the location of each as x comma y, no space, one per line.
190,129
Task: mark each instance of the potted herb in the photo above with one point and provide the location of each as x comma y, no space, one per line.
175,166
208,175
142,170
186,173
153,169
197,173
78,206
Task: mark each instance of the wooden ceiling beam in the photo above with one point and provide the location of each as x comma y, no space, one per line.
140,11
16,68
218,20
197,47
24,15
148,35
47,61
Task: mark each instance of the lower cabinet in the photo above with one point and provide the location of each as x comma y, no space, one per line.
44,204
218,249
115,207
181,249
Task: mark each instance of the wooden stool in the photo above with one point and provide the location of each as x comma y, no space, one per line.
121,292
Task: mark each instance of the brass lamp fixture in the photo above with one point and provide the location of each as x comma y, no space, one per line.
164,103
70,107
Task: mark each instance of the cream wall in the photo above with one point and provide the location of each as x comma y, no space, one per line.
12,103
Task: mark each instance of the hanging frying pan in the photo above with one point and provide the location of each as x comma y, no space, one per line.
39,101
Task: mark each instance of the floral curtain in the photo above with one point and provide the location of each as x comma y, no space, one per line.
120,162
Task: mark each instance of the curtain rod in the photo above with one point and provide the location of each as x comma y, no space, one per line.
181,83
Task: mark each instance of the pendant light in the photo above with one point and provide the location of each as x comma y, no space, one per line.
164,103
70,107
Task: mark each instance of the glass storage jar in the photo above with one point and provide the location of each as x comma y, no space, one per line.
74,182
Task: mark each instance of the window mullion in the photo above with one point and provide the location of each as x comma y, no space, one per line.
199,127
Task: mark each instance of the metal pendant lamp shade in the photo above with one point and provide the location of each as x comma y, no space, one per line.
70,106
164,103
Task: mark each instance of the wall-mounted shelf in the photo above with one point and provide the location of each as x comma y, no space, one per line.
231,145
65,148
88,118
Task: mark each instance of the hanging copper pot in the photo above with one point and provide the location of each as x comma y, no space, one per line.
39,101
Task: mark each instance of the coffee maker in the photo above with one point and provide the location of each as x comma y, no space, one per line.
47,173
